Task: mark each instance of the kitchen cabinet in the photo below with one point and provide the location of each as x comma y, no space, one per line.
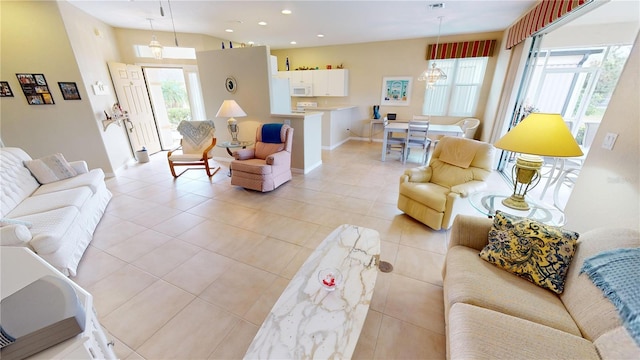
331,82
301,77
324,82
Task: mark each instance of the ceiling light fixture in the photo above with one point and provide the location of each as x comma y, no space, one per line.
320,35
286,12
293,43
229,30
433,74
262,23
154,45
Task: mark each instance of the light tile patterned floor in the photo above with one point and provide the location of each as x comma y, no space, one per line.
189,268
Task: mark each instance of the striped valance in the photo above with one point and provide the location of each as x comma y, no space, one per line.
543,14
457,50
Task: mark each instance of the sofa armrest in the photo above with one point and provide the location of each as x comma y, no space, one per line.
419,174
469,187
79,166
470,231
244,154
15,235
281,158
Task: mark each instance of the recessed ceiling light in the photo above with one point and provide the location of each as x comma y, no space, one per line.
293,43
286,12
229,30
263,23
320,35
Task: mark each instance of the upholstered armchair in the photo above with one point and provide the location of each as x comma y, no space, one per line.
198,140
268,164
433,194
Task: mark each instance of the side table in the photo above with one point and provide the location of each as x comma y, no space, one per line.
372,124
231,145
19,268
488,204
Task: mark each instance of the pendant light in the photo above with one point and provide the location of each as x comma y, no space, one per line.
433,74
154,45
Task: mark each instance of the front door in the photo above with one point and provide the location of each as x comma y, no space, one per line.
133,97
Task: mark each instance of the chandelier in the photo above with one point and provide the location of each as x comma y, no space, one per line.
433,74
154,45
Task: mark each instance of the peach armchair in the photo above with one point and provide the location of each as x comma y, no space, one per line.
268,164
433,194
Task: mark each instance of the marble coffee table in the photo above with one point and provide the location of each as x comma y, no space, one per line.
309,321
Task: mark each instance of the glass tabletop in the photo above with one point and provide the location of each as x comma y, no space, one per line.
230,144
488,203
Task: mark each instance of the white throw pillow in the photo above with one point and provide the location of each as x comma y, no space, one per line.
50,168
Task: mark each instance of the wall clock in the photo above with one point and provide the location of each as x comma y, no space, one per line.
230,84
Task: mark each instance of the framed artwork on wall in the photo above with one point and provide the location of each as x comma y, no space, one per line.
35,89
396,90
5,89
69,90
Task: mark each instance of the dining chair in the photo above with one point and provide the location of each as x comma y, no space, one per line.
394,143
418,137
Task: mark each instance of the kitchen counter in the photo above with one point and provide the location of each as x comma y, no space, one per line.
306,153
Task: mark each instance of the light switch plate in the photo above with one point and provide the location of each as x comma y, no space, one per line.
609,141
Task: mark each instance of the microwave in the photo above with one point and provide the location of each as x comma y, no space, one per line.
301,90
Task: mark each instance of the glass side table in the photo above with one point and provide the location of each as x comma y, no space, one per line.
231,145
488,203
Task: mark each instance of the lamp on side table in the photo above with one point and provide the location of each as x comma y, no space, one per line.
536,136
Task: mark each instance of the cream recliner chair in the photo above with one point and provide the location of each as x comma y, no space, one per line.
433,194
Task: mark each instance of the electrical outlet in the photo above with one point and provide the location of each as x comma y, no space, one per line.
609,141
287,122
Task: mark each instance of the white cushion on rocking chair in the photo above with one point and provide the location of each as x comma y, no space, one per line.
185,157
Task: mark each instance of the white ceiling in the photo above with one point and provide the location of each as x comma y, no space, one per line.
342,22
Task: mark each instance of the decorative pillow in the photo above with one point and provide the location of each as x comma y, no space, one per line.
537,252
50,168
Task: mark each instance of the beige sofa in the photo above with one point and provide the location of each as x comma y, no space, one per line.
493,314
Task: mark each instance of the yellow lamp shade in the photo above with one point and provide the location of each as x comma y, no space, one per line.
541,134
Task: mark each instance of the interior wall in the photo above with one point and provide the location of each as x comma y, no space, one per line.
592,35
368,63
94,44
127,38
250,67
34,40
606,193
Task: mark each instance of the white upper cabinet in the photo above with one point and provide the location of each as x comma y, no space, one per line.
331,82
301,77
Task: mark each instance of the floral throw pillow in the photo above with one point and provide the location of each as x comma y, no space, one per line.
537,252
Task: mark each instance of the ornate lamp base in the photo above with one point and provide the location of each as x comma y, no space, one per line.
526,175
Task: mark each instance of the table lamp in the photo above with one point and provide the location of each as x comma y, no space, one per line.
536,136
231,109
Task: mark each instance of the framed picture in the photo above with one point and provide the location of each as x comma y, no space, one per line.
69,90
35,89
5,89
396,91
230,84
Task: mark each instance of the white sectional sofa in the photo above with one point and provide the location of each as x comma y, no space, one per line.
56,220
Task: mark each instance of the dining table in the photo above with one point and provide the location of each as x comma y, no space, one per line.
434,129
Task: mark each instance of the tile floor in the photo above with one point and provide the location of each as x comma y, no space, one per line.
189,268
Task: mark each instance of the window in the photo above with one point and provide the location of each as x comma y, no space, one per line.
458,94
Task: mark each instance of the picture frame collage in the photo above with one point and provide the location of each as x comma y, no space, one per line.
36,89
